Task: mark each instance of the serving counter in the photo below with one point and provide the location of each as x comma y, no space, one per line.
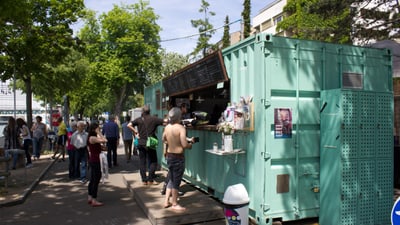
213,170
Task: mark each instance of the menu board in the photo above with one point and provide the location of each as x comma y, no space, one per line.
205,72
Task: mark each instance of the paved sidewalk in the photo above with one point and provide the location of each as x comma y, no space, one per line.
23,181
50,197
56,199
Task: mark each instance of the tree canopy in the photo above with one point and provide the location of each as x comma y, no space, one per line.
341,21
246,18
33,38
123,50
317,20
206,30
375,21
226,39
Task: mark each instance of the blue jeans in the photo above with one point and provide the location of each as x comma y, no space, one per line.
14,156
81,161
37,146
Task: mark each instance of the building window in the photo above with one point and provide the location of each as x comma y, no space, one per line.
267,24
278,19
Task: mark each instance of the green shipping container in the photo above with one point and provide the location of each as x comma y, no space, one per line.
281,166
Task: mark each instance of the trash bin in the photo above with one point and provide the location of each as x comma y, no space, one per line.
236,205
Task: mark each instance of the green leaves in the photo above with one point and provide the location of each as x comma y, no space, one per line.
35,38
205,29
341,21
123,49
317,20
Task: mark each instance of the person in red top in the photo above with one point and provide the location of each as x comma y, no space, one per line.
72,171
95,140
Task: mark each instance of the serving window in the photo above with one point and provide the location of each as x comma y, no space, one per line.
204,88
206,105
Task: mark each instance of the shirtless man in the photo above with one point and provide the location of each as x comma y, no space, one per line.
175,136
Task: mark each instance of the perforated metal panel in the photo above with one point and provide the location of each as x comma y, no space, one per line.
384,128
384,190
349,126
366,193
366,124
364,143
349,193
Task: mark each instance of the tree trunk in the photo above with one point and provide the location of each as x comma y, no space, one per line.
28,86
120,99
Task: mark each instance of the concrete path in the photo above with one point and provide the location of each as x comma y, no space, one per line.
44,195
59,200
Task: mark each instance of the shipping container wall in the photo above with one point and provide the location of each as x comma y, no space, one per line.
284,78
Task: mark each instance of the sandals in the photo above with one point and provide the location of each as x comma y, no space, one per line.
178,208
96,204
89,200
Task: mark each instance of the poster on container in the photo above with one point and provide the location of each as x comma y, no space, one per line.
283,123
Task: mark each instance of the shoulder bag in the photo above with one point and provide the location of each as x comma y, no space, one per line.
151,142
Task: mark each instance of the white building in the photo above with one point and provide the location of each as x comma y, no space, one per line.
268,18
7,101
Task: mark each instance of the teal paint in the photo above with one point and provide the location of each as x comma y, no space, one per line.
283,176
356,157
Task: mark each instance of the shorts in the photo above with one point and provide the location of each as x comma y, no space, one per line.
176,167
62,139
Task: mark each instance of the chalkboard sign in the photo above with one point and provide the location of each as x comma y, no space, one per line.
205,72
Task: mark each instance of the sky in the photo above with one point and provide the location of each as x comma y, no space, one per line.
175,16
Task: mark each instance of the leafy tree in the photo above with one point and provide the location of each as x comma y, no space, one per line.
341,21
378,20
171,62
205,28
123,51
226,42
317,20
246,18
33,38
88,98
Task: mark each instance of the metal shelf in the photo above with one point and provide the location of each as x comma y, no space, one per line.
220,152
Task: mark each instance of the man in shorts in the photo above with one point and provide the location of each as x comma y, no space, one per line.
175,136
61,139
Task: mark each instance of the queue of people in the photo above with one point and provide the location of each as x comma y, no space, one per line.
84,148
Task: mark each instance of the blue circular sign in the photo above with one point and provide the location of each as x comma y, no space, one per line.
396,212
